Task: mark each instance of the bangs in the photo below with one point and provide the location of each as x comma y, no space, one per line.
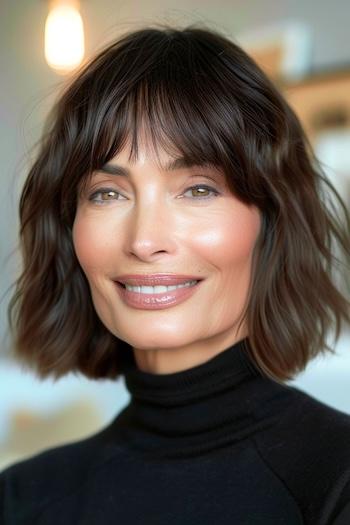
181,98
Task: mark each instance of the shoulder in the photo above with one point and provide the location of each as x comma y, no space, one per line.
30,485
314,427
308,447
304,423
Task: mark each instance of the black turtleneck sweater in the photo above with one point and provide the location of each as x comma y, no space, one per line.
218,444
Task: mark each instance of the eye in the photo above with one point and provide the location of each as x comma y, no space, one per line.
200,187
104,195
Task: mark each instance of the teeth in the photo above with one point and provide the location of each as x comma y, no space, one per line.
158,289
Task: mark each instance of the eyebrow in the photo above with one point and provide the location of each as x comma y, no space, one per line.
173,165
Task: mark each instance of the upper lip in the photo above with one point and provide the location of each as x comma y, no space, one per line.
155,279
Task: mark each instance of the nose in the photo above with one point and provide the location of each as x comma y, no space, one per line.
150,229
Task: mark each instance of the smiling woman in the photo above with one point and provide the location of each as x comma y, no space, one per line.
178,231
197,246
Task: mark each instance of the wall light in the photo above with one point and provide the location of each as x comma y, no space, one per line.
64,36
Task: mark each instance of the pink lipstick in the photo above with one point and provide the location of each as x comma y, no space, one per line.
157,300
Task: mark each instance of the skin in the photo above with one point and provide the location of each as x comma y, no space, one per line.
156,224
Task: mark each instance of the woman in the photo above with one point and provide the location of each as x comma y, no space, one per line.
176,232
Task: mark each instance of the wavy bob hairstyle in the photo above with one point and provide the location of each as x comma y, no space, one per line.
200,94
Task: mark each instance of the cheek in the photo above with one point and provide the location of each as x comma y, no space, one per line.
228,241
89,239
228,248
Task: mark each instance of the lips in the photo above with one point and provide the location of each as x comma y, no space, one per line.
156,279
156,301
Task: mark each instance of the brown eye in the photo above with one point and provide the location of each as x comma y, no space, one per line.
103,195
108,195
201,191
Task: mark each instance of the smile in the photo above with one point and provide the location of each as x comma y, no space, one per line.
156,297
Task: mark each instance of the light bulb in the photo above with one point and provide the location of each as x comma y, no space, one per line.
64,38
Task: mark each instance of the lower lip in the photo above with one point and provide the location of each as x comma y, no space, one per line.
156,301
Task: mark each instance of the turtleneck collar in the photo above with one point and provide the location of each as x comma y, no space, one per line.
225,369
197,409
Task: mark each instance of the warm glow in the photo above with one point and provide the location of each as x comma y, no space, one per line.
64,38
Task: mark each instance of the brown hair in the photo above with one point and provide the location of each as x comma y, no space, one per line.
200,93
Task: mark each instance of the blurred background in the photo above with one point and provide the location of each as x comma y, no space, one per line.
304,46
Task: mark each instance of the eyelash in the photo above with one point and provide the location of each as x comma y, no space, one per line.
92,197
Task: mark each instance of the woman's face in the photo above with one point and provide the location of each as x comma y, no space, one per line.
145,219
